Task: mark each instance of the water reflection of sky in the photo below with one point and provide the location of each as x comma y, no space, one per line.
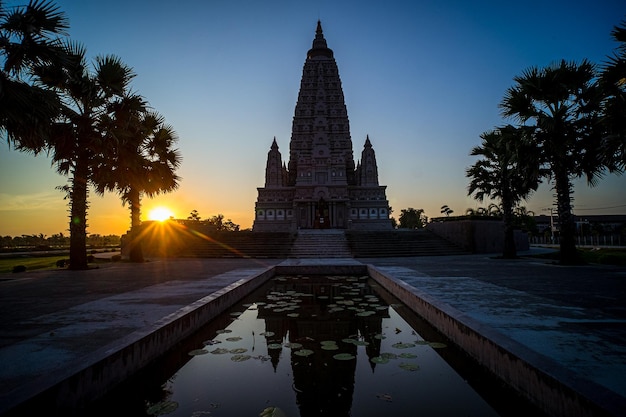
308,311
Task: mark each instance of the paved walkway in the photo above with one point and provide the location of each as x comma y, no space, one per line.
575,315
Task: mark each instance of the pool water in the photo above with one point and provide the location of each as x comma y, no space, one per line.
309,346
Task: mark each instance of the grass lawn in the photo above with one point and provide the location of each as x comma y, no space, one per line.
34,262
30,262
605,256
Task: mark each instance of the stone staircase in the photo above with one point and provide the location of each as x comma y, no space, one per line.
329,243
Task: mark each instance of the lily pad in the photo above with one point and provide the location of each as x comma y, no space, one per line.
400,345
344,356
219,351
330,347
240,358
389,355
379,359
267,334
274,346
223,331
380,336
294,315
328,342
293,345
238,350
365,313
233,339
162,407
409,366
407,355
361,343
303,352
348,340
437,345
196,352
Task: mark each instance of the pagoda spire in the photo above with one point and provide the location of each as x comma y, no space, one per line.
320,48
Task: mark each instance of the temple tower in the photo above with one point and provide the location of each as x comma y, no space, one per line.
320,187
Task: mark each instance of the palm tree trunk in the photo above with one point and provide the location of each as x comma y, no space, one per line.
78,215
567,228
136,251
508,251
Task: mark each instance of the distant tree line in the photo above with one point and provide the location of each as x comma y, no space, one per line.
56,241
84,115
568,121
216,221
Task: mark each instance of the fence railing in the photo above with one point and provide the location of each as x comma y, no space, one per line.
590,240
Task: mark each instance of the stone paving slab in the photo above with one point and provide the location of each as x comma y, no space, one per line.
562,333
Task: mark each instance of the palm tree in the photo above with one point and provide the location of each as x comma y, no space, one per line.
28,36
141,162
505,172
80,134
561,104
613,83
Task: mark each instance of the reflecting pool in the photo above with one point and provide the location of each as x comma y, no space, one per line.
307,346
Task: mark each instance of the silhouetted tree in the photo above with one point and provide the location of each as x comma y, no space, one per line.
140,160
29,36
411,218
507,171
613,83
80,135
446,210
561,105
194,216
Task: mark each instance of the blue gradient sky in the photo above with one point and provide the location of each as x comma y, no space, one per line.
422,78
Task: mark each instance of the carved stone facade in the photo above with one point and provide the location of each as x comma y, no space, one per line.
320,187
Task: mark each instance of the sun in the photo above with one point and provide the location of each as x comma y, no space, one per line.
160,214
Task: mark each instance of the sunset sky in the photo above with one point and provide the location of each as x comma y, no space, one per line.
422,78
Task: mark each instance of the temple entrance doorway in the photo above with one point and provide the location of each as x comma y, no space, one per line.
322,215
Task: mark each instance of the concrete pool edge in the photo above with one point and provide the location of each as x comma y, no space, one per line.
550,386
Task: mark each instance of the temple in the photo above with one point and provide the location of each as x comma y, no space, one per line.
320,187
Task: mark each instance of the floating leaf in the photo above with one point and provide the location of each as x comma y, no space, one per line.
240,358
330,347
163,407
380,336
274,346
303,352
348,340
365,313
223,331
344,356
328,342
267,334
196,352
409,366
238,350
379,359
407,355
211,342
361,343
233,339
384,397
272,412
219,351
400,345
293,345
389,355
294,315
437,345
